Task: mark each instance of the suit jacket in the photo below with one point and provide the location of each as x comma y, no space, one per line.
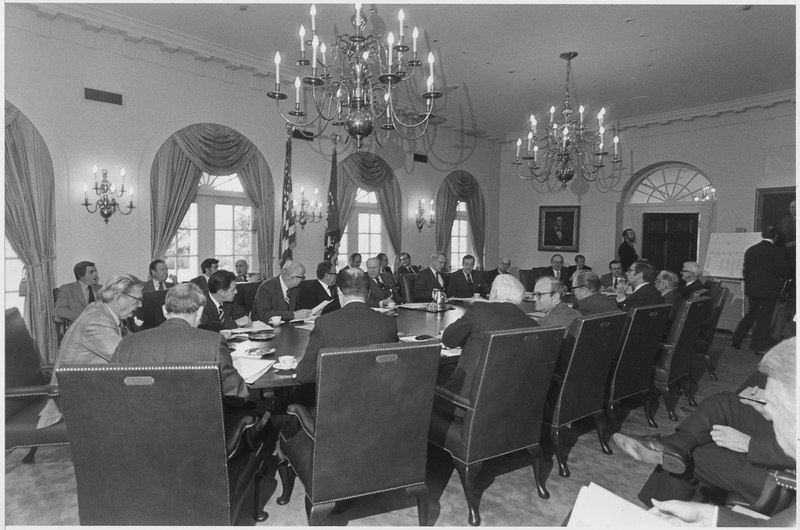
210,319
548,271
596,303
176,341
269,301
488,278
560,315
353,325
687,290
571,270
764,265
627,255
424,284
607,280
376,294
674,299
647,294
313,293
71,301
148,286
201,282
402,269
458,287
467,331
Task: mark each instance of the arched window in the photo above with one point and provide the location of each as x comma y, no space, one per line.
364,230
460,244
673,182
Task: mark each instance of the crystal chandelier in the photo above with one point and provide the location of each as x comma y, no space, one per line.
353,83
567,147
107,193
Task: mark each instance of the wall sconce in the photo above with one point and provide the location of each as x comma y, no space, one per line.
422,222
305,215
708,193
107,203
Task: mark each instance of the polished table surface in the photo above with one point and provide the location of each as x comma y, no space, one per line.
290,340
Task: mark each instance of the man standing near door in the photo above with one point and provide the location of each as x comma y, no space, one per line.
626,252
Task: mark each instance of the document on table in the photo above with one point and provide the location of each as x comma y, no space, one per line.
241,349
318,309
450,352
251,369
413,338
414,305
307,325
256,325
598,507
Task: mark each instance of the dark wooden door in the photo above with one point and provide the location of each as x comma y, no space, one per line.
670,239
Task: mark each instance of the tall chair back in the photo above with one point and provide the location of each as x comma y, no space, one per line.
149,445
579,386
528,278
702,346
407,287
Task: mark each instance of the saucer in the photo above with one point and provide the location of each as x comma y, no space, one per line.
283,367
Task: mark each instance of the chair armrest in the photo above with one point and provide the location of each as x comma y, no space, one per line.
47,369
456,399
32,391
237,427
302,414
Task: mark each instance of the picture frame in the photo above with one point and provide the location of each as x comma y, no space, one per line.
772,204
568,218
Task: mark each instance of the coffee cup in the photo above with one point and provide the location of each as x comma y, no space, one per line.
286,361
275,321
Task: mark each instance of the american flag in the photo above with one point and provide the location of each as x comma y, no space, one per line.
333,234
288,238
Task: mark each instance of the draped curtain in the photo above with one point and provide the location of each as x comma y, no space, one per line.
460,186
217,150
370,172
30,223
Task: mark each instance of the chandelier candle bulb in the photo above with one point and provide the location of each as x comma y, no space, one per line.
313,12
616,146
533,125
277,69
94,170
552,113
401,16
297,91
580,110
414,35
85,192
430,62
122,174
530,137
535,150
519,143
322,50
358,13
302,34
390,40
314,46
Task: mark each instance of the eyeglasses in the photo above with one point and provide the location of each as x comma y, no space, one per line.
140,300
539,295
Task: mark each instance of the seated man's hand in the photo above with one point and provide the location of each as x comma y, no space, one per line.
683,513
303,313
730,438
243,322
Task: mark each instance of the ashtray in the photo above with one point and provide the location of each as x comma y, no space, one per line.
260,352
262,335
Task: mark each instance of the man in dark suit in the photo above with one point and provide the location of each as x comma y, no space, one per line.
73,297
207,267
587,293
159,274
465,333
690,274
556,270
315,292
466,282
355,324
278,296
355,261
384,261
727,442
405,265
220,311
382,290
640,277
764,266
626,252
610,279
242,274
580,265
667,284
177,341
429,279
554,311
502,268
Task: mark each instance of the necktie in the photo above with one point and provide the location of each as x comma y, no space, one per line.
469,279
380,283
332,289
90,297
221,311
160,286
439,279
557,273
123,329
616,280
286,297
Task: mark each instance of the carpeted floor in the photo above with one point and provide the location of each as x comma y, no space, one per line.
44,493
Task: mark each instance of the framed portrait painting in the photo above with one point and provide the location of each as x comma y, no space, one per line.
559,228
772,205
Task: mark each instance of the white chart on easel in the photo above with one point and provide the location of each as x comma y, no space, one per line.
725,254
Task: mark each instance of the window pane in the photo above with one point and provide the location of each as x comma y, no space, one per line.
225,262
375,223
223,216
223,243
241,216
14,300
190,219
243,244
363,244
14,270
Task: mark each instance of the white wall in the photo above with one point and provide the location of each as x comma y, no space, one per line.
49,61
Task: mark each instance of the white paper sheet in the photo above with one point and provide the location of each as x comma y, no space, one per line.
250,368
256,325
597,507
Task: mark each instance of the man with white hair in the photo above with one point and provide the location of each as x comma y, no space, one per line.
502,313
429,279
667,284
691,277
277,297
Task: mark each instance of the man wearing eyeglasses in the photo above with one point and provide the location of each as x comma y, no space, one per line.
556,269
587,291
640,277
95,334
502,268
324,289
547,298
278,297
691,276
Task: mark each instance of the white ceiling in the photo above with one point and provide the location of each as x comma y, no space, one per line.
501,62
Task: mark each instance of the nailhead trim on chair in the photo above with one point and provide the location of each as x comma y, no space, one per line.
53,444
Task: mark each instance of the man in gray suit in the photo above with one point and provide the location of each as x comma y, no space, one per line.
587,291
73,297
177,340
547,295
159,274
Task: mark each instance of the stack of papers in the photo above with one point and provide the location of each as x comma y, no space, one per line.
251,368
598,507
256,325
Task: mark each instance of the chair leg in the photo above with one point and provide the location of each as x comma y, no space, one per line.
537,464
648,412
28,459
611,416
663,388
287,475
600,423
686,389
563,470
467,474
420,491
710,367
260,514
318,512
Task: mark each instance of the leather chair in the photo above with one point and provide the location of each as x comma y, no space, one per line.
528,278
778,494
502,411
407,287
674,359
579,384
631,372
62,324
27,391
702,345
368,435
150,445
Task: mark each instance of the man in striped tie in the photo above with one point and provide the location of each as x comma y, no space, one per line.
159,274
